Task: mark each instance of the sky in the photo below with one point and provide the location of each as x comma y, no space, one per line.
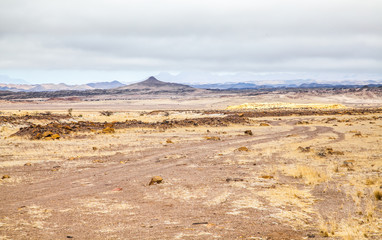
81,41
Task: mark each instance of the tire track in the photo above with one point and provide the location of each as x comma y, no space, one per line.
62,188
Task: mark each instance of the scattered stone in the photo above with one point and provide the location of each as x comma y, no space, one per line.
108,130
21,208
234,179
56,168
5,176
302,122
248,132
118,189
97,161
213,138
169,141
55,136
156,179
264,125
47,134
329,151
267,176
28,164
304,149
199,223
357,134
311,235
243,149
348,163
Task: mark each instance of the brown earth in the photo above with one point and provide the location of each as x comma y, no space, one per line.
305,175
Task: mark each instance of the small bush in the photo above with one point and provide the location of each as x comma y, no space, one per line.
106,113
378,195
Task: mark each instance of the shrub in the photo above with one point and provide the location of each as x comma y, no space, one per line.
106,113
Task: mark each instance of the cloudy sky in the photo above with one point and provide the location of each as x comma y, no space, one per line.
78,41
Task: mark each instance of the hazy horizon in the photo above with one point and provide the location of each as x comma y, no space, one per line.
78,42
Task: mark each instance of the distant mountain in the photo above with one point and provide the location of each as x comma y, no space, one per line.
58,87
106,85
153,84
4,79
228,86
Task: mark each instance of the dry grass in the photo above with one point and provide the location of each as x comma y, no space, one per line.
309,174
281,105
265,190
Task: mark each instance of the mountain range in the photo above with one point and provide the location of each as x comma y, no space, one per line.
152,84
58,87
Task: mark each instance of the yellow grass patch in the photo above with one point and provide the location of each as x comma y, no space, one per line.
310,175
281,105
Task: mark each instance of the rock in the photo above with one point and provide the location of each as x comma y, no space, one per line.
213,138
243,149
267,176
311,235
47,134
156,179
199,223
169,141
97,161
5,176
348,163
28,164
55,136
108,130
234,179
264,125
304,149
248,132
37,136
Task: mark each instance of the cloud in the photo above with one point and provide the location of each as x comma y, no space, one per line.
170,35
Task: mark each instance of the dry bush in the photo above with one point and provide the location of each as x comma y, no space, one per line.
106,113
378,195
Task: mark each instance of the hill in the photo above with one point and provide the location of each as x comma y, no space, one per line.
153,84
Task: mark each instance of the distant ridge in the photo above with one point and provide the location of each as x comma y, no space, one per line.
244,85
59,87
106,85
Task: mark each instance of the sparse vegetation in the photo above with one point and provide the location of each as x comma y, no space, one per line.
106,113
309,174
378,195
303,181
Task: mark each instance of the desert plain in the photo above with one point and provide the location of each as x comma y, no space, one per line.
280,167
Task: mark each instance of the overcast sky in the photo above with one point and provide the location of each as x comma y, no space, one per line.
78,41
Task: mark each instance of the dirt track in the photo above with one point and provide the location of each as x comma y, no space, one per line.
210,190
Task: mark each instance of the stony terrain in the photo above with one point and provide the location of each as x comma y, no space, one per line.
227,174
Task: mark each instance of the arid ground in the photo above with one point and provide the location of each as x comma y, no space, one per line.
82,170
